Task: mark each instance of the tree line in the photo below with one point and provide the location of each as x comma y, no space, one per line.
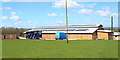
12,30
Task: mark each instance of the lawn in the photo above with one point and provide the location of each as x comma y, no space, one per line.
59,49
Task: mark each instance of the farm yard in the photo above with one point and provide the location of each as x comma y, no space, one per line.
59,29
59,49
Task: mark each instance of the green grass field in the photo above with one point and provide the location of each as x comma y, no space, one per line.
59,49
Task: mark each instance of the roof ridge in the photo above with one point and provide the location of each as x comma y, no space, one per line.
68,26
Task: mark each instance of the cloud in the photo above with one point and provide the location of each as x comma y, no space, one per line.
53,14
106,12
16,23
91,5
45,22
70,3
4,17
19,22
114,14
8,8
88,21
60,22
106,8
85,11
74,10
20,12
14,18
13,13
61,14
1,8
116,6
29,21
105,19
103,13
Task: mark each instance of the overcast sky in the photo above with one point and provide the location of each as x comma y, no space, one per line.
34,14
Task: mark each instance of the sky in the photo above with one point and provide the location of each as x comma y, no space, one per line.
35,14
59,0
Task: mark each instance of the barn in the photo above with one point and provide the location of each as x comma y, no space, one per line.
75,32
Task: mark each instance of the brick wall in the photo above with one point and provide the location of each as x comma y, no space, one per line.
2,36
14,36
8,36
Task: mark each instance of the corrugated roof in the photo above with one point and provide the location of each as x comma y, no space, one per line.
91,30
71,29
116,33
80,30
70,26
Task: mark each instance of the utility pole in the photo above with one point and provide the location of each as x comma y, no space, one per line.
66,21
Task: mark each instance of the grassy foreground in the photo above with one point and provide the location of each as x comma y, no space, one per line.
59,49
